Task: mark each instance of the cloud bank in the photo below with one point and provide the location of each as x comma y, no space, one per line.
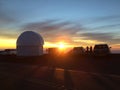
54,30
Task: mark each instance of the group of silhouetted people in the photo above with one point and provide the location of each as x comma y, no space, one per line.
89,49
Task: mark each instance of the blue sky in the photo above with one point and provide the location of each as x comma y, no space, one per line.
33,10
97,20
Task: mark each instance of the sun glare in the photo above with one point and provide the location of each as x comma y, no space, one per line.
61,45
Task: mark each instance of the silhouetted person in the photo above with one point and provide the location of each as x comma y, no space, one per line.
87,49
91,49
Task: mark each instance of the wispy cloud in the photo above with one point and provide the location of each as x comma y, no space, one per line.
106,27
102,37
5,16
73,33
101,19
102,23
54,30
6,33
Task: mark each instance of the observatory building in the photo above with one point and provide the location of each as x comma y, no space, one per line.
30,43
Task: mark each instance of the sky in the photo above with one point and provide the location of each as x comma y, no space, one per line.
74,22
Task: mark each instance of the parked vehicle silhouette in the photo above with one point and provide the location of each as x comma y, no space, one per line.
101,49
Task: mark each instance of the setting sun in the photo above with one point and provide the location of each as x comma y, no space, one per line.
61,45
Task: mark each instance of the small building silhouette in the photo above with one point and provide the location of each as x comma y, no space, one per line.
52,50
10,51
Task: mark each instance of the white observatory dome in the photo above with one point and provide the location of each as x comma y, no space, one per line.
30,43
